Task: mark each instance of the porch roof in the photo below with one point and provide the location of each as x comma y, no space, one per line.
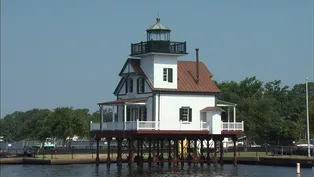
123,101
222,103
212,109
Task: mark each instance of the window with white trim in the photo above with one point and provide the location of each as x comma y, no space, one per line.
143,114
186,114
140,85
129,86
168,75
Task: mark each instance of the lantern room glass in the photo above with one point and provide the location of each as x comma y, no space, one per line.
158,36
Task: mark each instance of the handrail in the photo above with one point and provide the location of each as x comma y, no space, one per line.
155,125
158,46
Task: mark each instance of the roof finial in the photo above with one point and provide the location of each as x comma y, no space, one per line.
158,19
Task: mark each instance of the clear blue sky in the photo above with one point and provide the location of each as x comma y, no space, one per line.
68,53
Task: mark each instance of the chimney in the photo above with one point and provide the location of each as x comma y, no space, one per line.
197,67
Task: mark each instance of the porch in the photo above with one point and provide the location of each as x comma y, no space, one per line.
136,114
155,125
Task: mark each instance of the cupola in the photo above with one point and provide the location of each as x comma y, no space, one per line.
158,41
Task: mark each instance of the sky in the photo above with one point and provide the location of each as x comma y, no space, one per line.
69,53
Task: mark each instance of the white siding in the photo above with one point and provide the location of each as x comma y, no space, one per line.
170,105
120,113
147,65
122,91
161,62
149,108
153,66
216,123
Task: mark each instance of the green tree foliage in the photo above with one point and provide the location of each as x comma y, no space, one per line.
269,110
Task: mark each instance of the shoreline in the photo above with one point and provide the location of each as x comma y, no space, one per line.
265,161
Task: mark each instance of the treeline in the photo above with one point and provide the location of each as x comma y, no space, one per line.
60,123
270,111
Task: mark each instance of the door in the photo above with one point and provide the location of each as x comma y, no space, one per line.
134,114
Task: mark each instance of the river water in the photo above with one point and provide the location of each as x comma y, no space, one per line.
102,171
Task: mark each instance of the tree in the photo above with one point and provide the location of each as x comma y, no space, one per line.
66,122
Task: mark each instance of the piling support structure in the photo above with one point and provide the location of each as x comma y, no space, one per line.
97,150
235,161
108,151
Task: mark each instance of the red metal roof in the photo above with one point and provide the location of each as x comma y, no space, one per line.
209,108
122,101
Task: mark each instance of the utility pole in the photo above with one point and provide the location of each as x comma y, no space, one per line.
307,119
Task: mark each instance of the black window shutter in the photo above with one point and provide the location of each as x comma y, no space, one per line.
126,85
181,113
143,85
138,85
190,114
164,72
170,74
131,86
128,114
145,114
116,119
140,114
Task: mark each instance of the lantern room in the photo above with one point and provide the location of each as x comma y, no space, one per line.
158,41
158,32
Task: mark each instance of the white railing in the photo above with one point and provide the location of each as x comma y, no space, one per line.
94,126
147,125
130,125
155,125
204,126
232,126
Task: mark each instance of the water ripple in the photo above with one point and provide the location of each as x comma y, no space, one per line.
102,171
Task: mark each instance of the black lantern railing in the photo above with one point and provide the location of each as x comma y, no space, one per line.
158,46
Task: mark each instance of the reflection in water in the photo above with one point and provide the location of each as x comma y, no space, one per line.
91,170
96,170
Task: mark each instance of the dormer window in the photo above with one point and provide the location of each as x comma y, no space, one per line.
168,75
129,86
140,85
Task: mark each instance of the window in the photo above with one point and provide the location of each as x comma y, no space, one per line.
128,114
168,75
129,86
143,114
140,85
186,114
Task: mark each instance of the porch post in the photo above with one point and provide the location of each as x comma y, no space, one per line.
113,114
101,116
125,111
234,114
228,114
113,127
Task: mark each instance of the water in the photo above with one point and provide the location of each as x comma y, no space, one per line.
102,171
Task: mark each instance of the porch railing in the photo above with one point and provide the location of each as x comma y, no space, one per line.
155,125
130,125
147,125
232,126
204,125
